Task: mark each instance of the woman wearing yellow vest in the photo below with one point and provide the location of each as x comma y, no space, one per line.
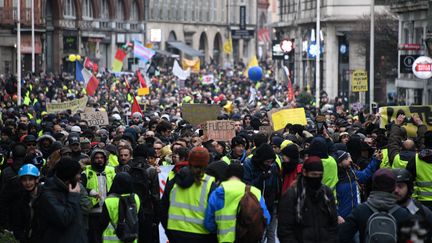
185,200
220,216
122,186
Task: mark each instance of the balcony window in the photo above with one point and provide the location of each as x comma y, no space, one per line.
87,9
104,9
135,11
69,9
120,10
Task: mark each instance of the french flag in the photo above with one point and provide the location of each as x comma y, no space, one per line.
90,80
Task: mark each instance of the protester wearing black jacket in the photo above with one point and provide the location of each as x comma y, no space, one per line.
58,208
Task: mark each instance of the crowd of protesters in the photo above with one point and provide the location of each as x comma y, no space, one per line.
319,182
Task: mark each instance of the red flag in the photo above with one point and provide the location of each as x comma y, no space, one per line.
290,91
88,63
136,107
91,82
141,79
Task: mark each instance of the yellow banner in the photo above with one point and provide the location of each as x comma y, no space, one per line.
252,62
228,46
388,114
280,118
194,64
73,105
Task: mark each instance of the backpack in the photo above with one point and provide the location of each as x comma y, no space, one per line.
127,226
381,226
250,223
141,183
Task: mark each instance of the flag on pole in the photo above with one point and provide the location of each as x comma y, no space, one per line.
252,62
136,107
91,81
118,60
78,74
142,52
291,94
141,79
228,46
88,63
179,72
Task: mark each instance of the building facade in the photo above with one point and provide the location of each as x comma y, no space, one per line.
414,25
338,37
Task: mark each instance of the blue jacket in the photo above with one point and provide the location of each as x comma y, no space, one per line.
267,181
216,202
347,189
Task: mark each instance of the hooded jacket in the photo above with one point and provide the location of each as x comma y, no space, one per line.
357,220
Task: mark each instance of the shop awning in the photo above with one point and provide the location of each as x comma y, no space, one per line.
186,49
166,53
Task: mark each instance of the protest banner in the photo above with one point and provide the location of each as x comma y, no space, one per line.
221,130
388,115
208,79
359,81
73,105
200,113
95,118
281,117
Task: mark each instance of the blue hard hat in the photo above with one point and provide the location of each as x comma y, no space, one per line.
28,169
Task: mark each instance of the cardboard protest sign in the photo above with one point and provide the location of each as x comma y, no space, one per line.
200,113
73,105
388,114
281,117
95,118
222,130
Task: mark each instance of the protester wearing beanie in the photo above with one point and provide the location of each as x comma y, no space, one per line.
186,197
262,172
308,207
290,165
238,150
380,199
349,181
225,201
61,197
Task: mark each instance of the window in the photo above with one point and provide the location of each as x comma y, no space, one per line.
120,10
1,3
309,4
135,11
418,31
69,9
87,9
180,10
104,9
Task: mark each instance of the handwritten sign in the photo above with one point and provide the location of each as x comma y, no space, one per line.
95,118
388,114
220,130
200,113
359,81
280,118
73,105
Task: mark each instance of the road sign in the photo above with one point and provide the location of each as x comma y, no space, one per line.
422,67
359,81
242,34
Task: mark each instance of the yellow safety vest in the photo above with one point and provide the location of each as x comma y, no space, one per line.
171,175
385,162
279,162
226,217
187,207
226,160
92,181
399,163
423,182
330,175
113,160
112,204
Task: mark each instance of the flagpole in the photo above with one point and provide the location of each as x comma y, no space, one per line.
18,52
317,56
32,36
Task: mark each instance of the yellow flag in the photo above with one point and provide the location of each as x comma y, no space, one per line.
228,46
194,64
252,62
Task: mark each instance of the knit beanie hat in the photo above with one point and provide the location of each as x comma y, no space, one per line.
292,152
276,140
313,163
237,140
264,152
67,168
384,180
235,169
199,157
341,156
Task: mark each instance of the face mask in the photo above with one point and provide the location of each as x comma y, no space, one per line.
313,183
289,167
